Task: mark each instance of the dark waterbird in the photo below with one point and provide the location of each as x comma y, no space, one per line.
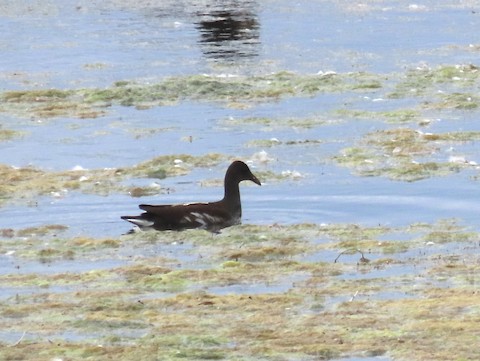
211,216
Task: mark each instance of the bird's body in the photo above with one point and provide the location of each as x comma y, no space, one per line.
211,216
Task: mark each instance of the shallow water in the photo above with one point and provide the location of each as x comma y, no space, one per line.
82,46
72,45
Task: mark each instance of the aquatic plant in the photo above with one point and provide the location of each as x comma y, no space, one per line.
291,304
30,182
91,103
403,154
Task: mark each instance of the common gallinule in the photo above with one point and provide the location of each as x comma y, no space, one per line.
211,216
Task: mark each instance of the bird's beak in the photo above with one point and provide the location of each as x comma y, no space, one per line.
255,180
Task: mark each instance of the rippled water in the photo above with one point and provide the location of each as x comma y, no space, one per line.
70,45
83,44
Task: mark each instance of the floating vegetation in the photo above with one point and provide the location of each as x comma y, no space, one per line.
48,103
173,165
402,154
444,87
29,182
337,306
139,133
49,229
272,142
91,103
8,134
29,244
270,124
252,292
455,101
446,79
264,143
40,96
391,116
137,192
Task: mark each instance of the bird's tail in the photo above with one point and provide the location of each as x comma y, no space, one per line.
140,221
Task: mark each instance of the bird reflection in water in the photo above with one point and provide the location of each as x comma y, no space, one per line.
229,30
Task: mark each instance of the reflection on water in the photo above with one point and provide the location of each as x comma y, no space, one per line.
229,31
226,31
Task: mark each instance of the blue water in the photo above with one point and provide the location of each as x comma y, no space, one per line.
66,44
71,45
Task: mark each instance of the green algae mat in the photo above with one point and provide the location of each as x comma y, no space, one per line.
275,292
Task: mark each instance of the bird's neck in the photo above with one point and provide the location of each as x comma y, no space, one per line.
232,195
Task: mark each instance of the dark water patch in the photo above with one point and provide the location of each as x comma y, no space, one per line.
229,33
